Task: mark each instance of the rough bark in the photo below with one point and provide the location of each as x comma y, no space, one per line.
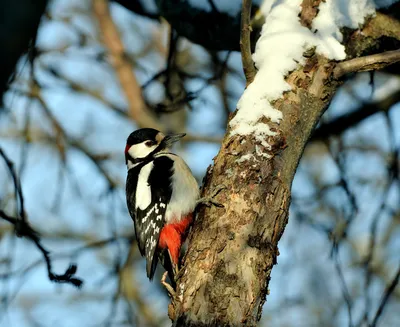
233,249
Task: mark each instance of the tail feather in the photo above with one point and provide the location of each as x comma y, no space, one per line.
151,266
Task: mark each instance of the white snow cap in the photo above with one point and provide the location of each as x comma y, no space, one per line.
280,49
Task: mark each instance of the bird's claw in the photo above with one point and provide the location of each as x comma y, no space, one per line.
170,290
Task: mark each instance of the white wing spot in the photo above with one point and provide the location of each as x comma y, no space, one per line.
152,225
144,219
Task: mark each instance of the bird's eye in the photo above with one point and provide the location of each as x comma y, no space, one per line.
149,143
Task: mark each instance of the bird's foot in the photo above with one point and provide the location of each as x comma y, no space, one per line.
170,289
172,307
209,200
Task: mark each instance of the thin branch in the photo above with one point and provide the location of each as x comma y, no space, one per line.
19,199
345,290
62,138
172,44
123,68
80,89
344,122
213,6
23,229
129,290
245,46
362,64
388,292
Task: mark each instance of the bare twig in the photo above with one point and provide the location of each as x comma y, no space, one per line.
172,43
372,250
348,120
129,290
245,47
212,4
388,292
373,62
123,68
19,199
23,229
80,89
345,290
62,138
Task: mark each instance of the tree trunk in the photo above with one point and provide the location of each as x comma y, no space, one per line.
232,250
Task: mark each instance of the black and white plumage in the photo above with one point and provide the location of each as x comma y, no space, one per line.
161,196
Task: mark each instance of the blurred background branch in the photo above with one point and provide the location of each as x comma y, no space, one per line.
23,229
137,108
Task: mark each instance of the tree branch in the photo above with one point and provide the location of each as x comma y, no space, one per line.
23,229
123,68
388,292
245,45
366,63
344,122
19,199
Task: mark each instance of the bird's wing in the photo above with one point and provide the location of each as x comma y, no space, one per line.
131,187
150,221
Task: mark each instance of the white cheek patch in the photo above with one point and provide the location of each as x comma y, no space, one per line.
140,150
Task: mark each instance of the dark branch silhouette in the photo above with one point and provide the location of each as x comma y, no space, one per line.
23,229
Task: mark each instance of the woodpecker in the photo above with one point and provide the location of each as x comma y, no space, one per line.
161,195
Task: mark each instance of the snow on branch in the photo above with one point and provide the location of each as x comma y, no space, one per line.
280,49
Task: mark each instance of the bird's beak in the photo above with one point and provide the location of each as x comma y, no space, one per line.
172,138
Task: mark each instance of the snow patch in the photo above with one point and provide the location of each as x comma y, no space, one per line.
335,14
280,49
260,153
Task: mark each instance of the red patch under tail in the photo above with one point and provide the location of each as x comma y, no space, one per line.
173,235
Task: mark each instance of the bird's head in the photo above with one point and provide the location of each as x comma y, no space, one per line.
145,143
